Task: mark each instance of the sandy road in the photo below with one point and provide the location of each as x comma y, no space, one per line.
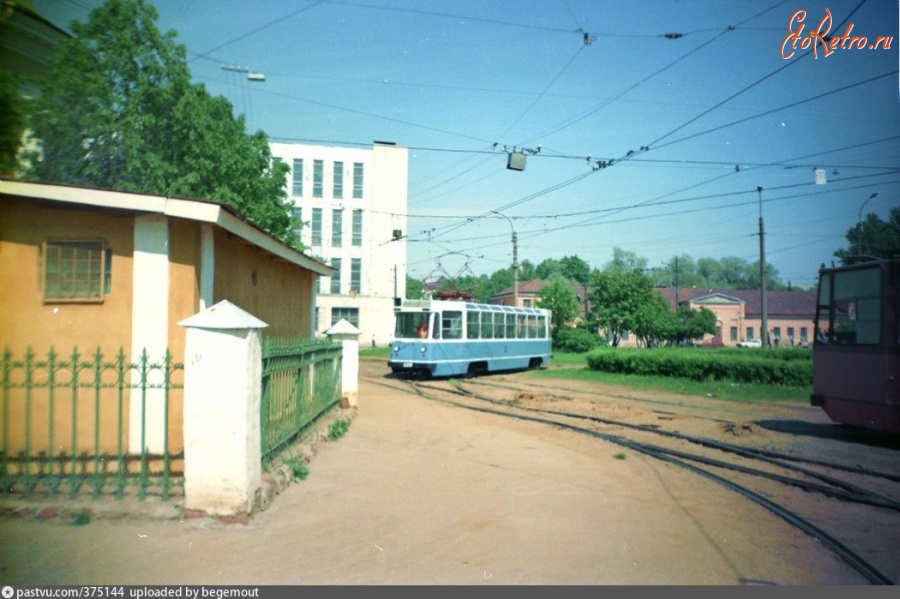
424,493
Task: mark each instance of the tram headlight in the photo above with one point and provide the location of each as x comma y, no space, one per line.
422,349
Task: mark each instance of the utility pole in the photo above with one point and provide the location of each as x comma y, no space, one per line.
515,259
762,274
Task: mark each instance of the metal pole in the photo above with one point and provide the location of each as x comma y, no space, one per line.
515,243
762,274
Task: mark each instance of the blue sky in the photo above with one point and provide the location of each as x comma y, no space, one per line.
700,84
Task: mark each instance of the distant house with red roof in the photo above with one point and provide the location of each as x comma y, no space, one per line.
789,314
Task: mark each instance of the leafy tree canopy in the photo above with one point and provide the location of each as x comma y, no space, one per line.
872,237
557,296
118,111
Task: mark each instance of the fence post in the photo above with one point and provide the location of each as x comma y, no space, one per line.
222,388
349,336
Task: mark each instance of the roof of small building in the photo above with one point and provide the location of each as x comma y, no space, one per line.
208,211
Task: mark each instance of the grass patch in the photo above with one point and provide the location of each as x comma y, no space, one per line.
298,467
574,367
619,456
379,353
338,429
82,518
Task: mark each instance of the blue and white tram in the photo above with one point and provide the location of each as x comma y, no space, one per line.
442,338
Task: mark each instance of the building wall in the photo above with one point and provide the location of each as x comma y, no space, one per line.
273,290
25,319
383,205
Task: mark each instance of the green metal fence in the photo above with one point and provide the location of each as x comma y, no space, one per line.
301,381
81,423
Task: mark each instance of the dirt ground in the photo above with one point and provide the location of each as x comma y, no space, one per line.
421,493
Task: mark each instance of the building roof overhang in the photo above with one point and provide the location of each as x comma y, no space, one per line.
204,211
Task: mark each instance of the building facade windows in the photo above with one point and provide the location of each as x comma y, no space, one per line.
351,315
357,228
337,185
297,177
357,180
337,227
316,226
318,178
336,277
750,333
355,274
804,335
734,333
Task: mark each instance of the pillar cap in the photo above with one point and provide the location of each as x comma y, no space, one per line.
223,315
343,329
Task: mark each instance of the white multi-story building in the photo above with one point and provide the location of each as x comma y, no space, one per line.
352,202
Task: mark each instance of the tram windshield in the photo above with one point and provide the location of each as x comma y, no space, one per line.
411,325
849,307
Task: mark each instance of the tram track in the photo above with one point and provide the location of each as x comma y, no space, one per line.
755,482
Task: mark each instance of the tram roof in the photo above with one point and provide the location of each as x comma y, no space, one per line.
432,304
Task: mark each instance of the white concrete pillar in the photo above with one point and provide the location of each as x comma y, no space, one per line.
348,335
149,330
222,396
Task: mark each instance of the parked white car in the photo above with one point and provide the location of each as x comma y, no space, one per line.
750,343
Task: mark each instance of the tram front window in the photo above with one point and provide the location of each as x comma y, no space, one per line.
411,325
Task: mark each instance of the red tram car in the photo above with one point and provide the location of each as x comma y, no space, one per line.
856,352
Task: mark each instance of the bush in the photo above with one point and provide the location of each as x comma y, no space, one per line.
576,341
699,365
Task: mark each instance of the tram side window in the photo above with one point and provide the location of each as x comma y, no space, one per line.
499,326
510,326
542,326
487,325
452,324
473,324
857,307
521,331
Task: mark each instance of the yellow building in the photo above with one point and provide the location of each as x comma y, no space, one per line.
105,271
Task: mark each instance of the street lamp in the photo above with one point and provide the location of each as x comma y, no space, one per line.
859,230
515,259
762,274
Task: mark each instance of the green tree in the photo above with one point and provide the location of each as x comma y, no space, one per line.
557,296
653,320
689,324
12,123
415,289
625,261
873,237
118,111
616,299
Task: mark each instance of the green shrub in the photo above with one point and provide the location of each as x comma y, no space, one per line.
338,429
578,340
776,368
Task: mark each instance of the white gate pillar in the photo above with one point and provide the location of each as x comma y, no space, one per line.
222,389
348,335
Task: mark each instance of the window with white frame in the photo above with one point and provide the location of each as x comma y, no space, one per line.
297,177
337,186
351,315
355,273
318,178
357,228
298,217
316,226
336,277
337,227
357,180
